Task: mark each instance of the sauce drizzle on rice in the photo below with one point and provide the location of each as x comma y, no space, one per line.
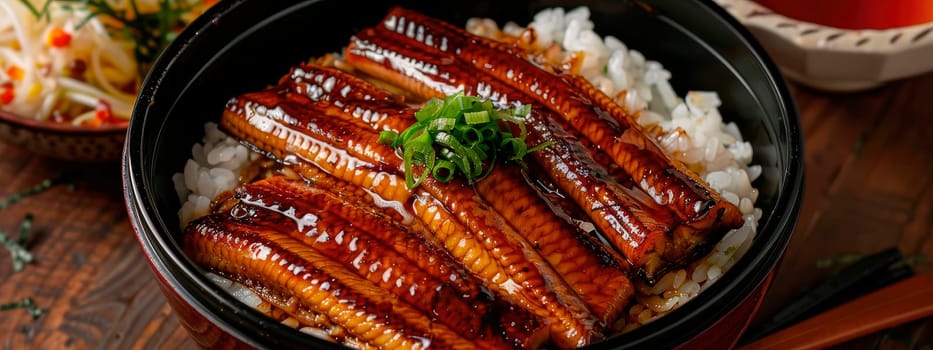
689,130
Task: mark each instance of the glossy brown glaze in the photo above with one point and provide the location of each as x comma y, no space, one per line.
572,322
724,213
357,250
282,263
322,83
475,316
406,235
633,151
266,122
508,233
281,306
634,226
642,229
530,280
602,285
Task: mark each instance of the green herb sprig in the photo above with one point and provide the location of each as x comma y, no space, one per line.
460,136
151,32
25,303
17,247
18,252
38,188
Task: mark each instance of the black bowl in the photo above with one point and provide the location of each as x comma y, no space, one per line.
245,45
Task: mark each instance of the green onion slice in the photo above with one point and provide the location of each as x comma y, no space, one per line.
479,117
460,136
444,171
387,137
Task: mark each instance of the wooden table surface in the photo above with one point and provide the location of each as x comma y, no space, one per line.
869,186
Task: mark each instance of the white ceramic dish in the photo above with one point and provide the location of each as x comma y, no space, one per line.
836,59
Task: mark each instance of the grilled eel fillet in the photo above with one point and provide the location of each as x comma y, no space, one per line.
287,309
648,233
586,109
374,315
477,236
602,284
506,263
406,236
292,207
617,134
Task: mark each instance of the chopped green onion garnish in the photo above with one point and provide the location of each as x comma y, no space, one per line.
476,117
469,134
514,146
442,124
418,151
430,109
387,137
444,170
460,135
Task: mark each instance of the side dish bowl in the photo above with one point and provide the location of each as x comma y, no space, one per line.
63,141
838,59
244,45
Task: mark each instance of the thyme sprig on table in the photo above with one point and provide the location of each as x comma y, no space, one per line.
38,188
19,254
17,247
150,31
25,303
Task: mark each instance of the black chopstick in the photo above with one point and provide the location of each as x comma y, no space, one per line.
861,277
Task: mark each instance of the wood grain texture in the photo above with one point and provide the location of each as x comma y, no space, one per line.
89,275
869,186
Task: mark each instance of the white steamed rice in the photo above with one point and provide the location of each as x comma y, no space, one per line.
693,132
214,168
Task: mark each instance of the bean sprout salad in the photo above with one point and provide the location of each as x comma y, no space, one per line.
81,62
